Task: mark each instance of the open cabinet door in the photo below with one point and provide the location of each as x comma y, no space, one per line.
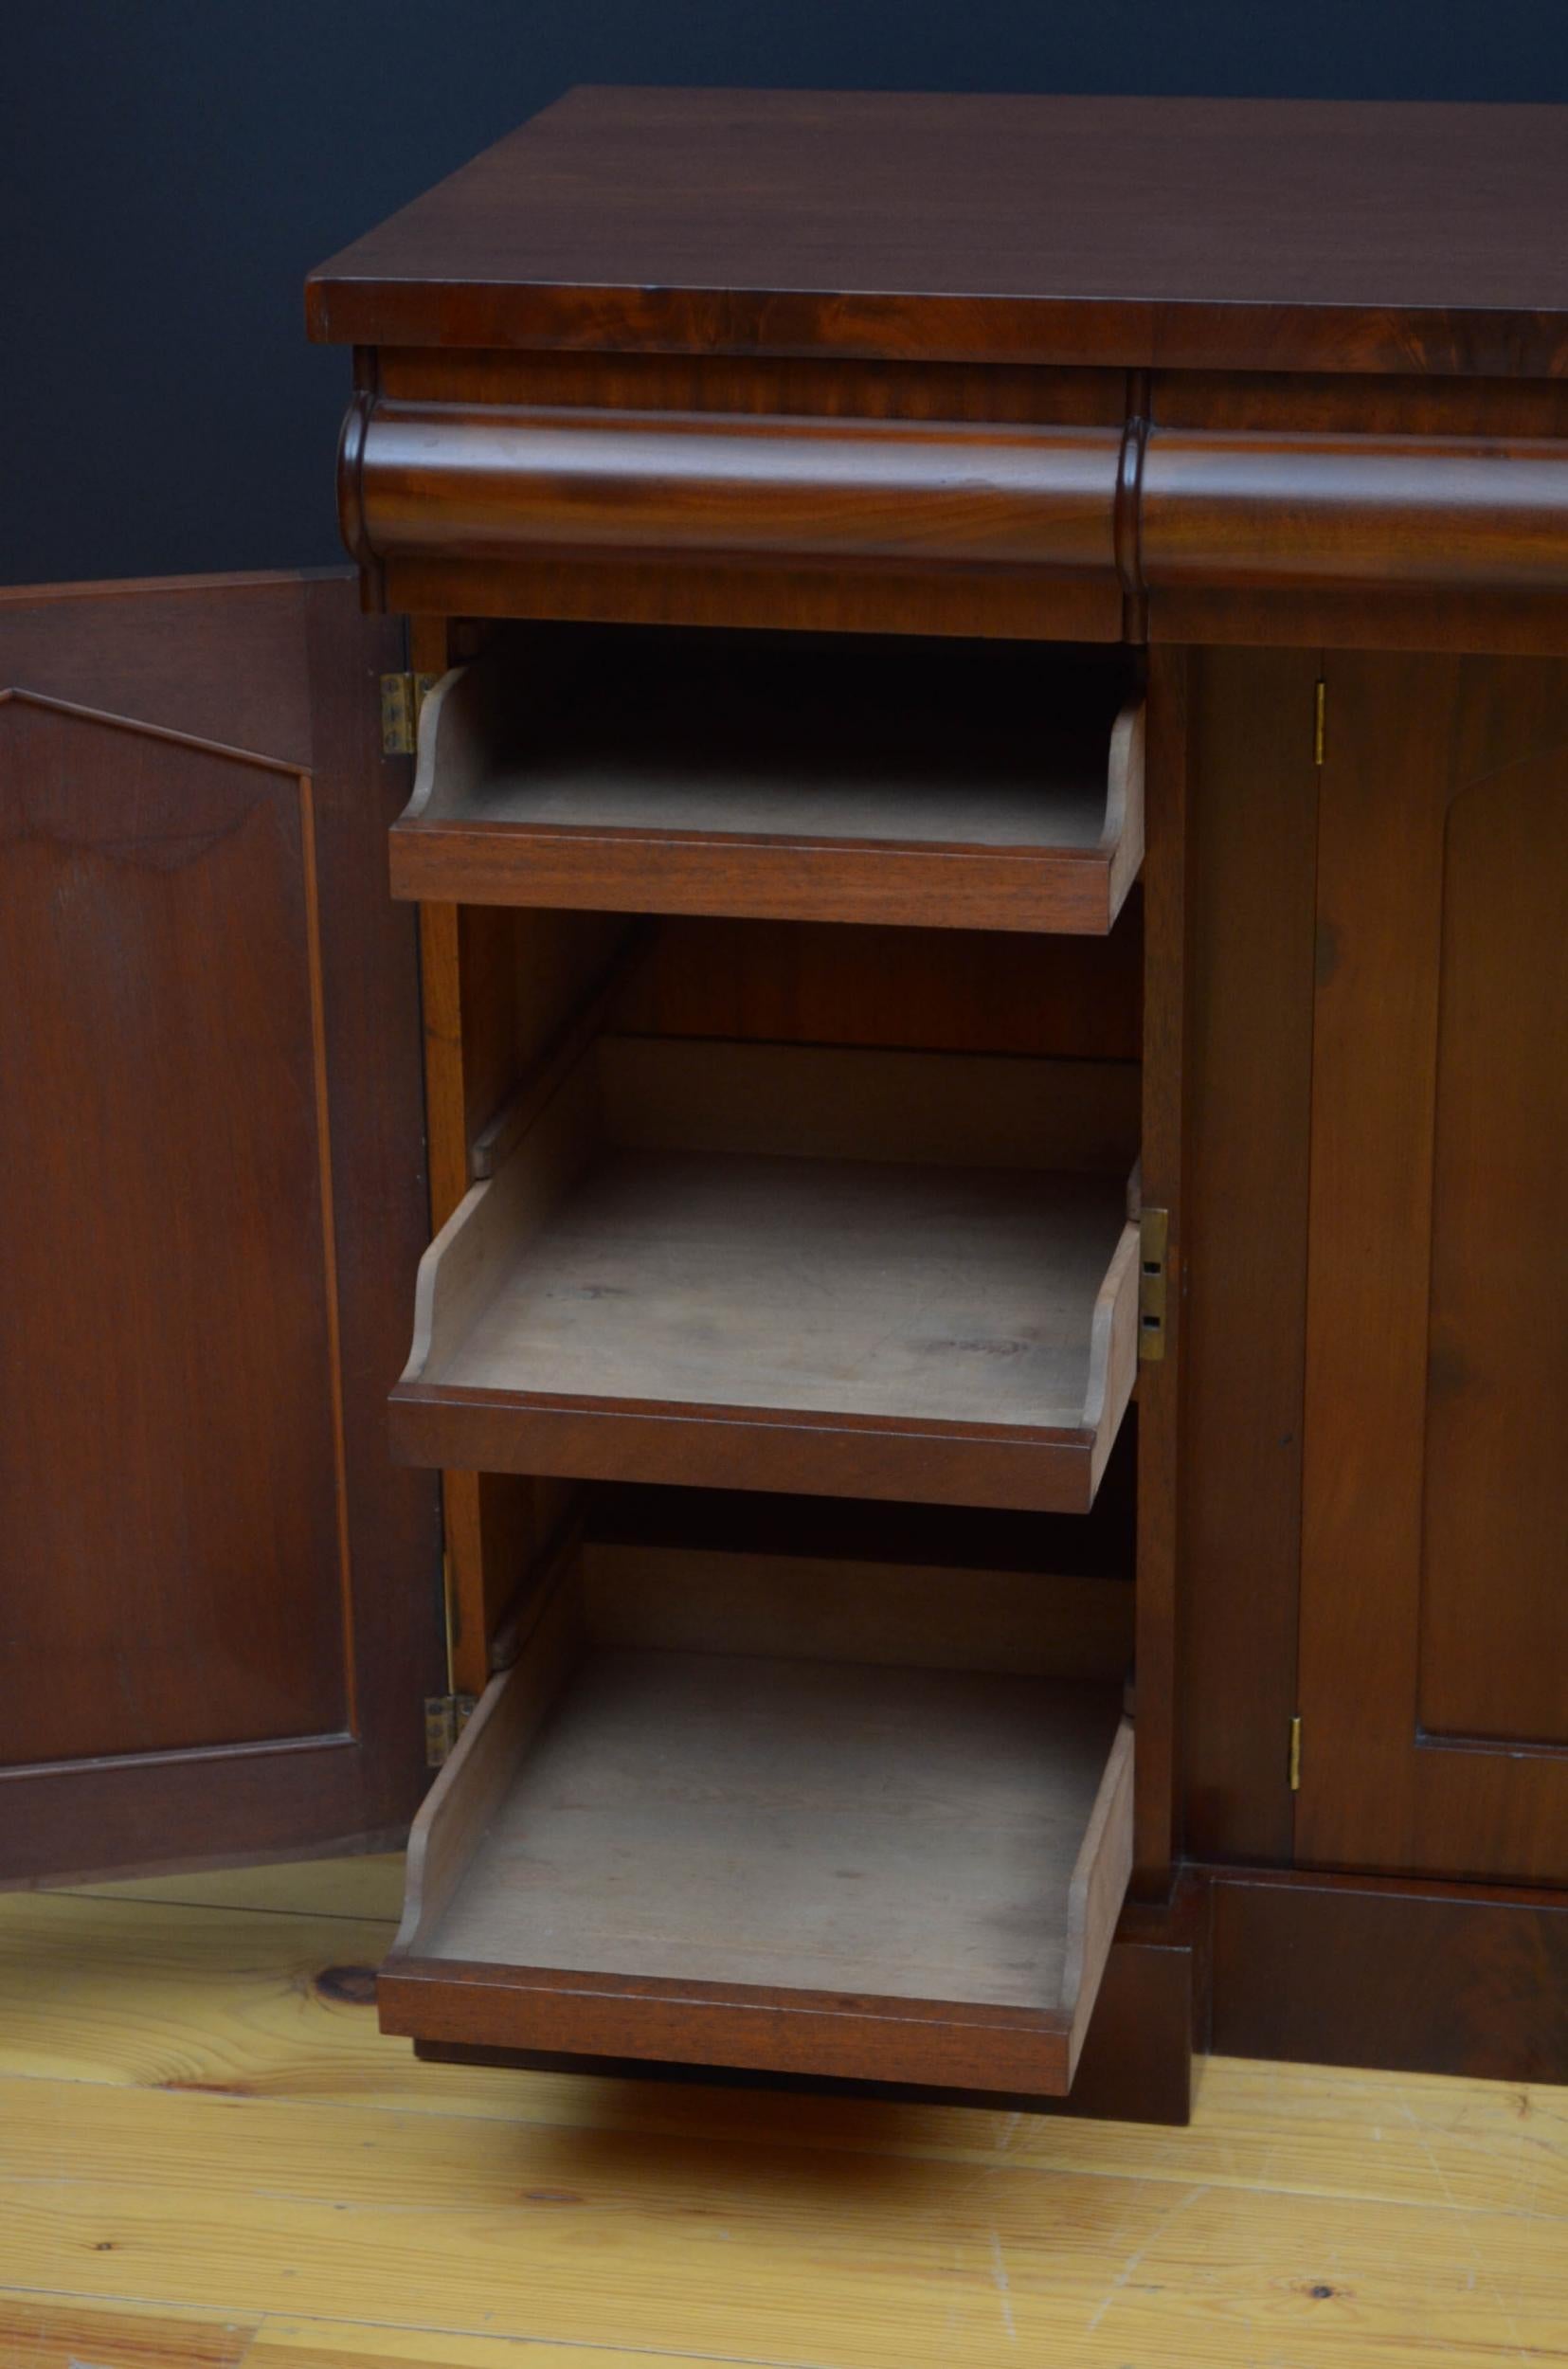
219,1599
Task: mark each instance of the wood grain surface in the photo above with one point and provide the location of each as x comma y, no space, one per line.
1253,865
173,1465
809,1856
830,1826
1421,509
1431,1634
720,357
769,1261
210,2157
1189,233
212,1189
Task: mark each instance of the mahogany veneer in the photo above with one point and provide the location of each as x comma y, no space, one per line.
1144,516
1175,234
217,1584
740,459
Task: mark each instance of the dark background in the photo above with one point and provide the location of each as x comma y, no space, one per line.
171,169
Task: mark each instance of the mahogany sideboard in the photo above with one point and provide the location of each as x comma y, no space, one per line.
988,682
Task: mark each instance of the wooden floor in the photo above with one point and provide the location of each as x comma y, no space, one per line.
208,2157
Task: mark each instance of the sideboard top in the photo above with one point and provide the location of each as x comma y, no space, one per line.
1229,234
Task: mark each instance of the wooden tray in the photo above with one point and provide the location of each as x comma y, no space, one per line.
880,1274
955,783
903,1866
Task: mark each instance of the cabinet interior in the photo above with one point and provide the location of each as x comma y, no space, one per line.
799,1267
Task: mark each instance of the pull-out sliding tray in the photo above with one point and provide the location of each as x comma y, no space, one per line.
843,778
788,1849
853,1274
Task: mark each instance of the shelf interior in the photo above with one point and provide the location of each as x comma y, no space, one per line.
809,1774
807,737
832,1285
700,1224
820,1826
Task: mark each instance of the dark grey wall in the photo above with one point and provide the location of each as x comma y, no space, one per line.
171,169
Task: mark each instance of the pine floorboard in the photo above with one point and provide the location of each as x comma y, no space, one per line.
210,2159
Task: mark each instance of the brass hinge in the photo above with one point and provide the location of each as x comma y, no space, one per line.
446,1717
1295,1753
1153,1239
1320,718
402,698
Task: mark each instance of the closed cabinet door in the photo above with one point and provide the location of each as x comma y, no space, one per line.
1433,1684
218,1603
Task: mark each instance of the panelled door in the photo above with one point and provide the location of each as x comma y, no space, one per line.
218,1597
1434,1578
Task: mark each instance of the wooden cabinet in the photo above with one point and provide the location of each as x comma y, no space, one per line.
956,572
990,851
